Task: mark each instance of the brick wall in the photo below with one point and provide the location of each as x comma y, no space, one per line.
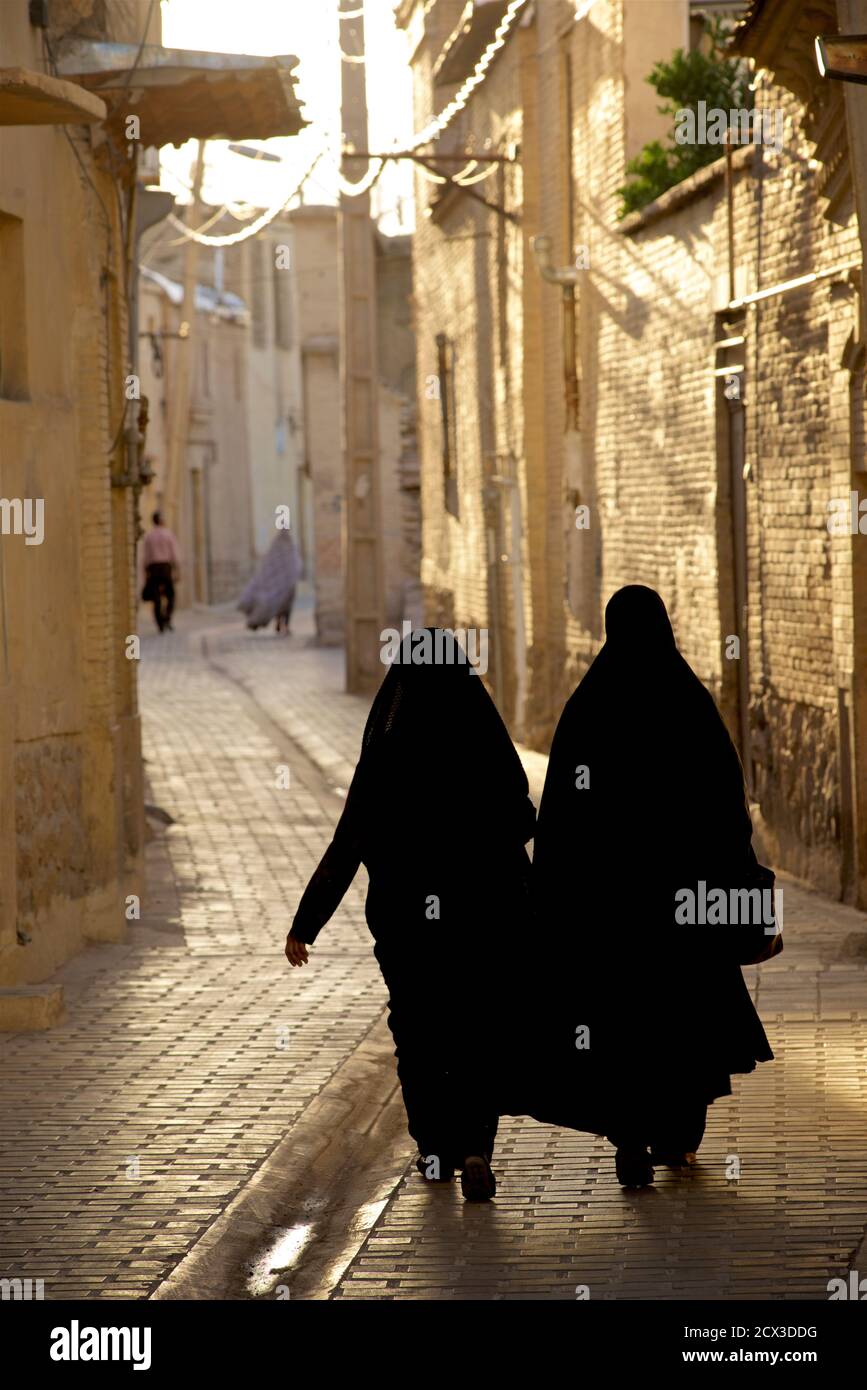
467,285
70,764
654,463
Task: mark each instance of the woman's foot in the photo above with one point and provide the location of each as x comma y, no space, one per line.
432,1170
478,1183
634,1168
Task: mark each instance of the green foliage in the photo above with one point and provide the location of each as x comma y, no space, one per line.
684,81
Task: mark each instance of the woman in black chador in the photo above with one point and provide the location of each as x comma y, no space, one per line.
439,813
644,797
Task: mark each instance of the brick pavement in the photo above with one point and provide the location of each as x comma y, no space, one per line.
798,1127
561,1223
188,1047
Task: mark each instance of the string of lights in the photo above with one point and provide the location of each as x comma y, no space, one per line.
476,178
354,190
438,124
241,212
428,133
215,217
430,175
465,177
233,238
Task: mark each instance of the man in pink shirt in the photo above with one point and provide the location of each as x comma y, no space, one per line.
162,560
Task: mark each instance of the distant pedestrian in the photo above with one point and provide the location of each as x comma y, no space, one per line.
271,591
644,805
162,564
439,814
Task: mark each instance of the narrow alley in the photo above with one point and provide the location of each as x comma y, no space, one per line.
191,1060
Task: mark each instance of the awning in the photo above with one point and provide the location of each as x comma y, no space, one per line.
31,98
468,40
180,94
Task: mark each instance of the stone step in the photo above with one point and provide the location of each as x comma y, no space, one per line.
29,1008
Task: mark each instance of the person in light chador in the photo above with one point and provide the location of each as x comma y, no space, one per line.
161,558
644,802
439,814
270,594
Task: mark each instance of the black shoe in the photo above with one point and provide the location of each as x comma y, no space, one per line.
478,1183
634,1168
444,1172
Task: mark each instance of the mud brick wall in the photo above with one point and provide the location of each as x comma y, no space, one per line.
467,268
52,844
653,464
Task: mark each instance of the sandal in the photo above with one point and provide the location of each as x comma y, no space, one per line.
478,1183
634,1168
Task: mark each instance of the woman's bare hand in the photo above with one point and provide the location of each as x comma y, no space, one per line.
296,951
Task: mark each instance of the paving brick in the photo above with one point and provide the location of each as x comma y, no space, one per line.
172,1050
169,1051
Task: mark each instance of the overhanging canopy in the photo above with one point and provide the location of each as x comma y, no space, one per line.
180,94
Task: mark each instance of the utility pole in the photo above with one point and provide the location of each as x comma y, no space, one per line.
365,600
180,414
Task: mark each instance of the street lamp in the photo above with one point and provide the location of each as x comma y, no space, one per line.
251,152
842,57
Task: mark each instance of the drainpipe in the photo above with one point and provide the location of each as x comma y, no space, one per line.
132,435
567,278
515,543
730,216
175,478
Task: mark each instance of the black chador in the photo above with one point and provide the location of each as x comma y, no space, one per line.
439,814
644,799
